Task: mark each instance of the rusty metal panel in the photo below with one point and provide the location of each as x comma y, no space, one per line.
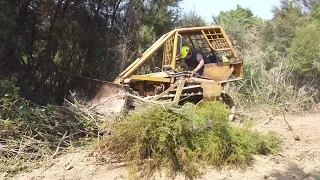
211,90
238,69
102,96
217,71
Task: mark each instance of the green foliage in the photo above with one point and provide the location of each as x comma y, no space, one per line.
315,14
161,14
237,23
146,36
304,53
240,15
281,29
8,92
180,139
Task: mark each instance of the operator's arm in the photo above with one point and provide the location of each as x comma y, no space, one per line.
201,63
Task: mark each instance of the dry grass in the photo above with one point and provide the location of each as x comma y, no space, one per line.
29,133
269,82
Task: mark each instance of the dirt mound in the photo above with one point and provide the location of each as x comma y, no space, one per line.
299,159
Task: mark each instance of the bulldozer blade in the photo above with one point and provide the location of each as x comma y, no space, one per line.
102,96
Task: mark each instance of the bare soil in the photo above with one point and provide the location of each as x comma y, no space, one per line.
298,160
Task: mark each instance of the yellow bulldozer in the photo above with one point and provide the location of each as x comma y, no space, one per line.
171,82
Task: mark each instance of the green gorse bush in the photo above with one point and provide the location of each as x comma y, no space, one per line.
182,139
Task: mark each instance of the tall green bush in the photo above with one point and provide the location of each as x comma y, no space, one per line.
304,53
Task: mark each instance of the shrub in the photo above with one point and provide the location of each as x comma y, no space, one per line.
182,139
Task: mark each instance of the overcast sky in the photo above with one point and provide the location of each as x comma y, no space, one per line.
207,8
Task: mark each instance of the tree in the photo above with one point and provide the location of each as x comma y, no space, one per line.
239,15
281,29
44,43
162,15
237,23
191,19
304,54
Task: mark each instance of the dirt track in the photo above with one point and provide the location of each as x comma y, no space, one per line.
299,159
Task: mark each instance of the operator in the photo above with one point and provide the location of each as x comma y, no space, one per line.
194,59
